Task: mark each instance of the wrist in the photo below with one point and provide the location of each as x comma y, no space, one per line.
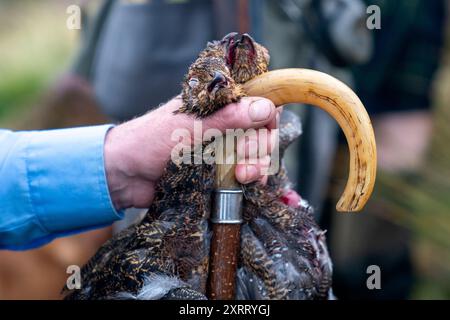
136,153
117,175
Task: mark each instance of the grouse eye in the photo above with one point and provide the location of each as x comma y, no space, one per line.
193,82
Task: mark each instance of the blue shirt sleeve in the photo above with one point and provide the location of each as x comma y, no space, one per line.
52,184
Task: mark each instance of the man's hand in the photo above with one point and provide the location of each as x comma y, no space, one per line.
137,151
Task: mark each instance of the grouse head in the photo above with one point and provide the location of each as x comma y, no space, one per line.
244,56
207,87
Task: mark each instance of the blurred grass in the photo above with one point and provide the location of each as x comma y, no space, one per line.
35,46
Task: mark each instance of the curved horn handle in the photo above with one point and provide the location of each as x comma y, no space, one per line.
319,89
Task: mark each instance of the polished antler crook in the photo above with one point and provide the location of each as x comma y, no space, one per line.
282,87
319,89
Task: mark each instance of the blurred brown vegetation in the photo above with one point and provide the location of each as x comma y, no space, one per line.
422,201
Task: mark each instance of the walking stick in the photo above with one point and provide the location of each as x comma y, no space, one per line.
282,87
226,218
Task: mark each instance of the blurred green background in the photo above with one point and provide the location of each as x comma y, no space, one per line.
36,47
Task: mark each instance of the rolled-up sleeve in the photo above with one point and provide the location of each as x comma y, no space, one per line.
52,183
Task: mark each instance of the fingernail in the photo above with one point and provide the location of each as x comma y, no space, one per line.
260,110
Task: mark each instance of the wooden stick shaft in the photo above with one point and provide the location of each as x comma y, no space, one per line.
226,236
223,261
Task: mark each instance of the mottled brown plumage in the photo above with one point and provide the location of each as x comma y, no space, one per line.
172,241
166,255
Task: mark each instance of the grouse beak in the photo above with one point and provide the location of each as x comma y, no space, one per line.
247,42
218,81
229,37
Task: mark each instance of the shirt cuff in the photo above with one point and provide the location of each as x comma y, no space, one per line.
67,179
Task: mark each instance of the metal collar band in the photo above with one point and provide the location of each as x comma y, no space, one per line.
227,207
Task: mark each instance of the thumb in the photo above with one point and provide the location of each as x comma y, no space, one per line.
249,112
